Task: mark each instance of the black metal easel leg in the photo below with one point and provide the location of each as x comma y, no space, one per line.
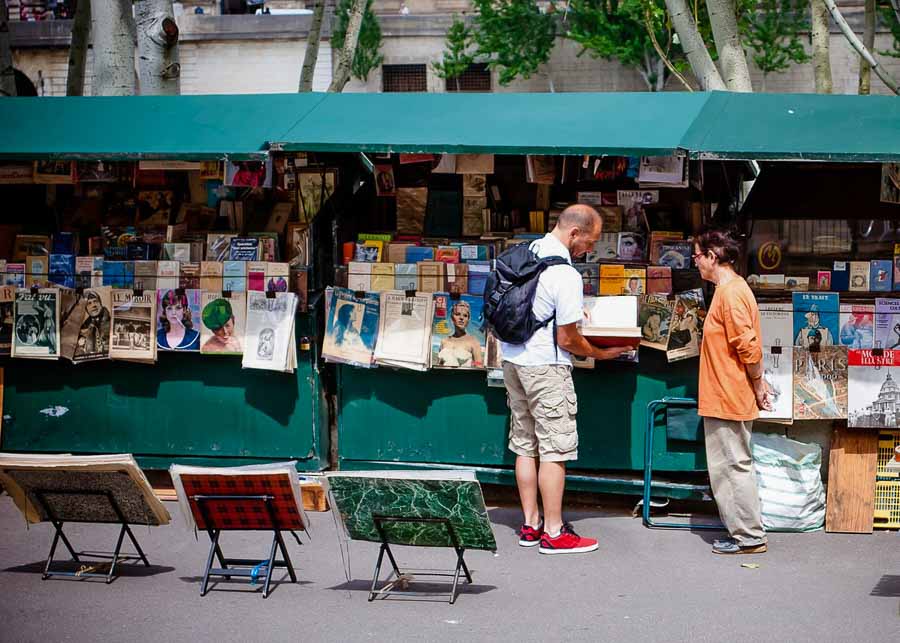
372,592
115,557
287,559
59,532
137,547
460,565
213,551
270,565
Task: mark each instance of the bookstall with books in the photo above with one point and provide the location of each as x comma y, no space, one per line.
419,377
161,308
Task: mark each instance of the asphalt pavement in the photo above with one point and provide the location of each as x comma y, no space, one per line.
642,585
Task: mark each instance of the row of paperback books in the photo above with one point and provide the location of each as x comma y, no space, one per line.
123,324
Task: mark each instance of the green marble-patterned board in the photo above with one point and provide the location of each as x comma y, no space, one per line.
358,498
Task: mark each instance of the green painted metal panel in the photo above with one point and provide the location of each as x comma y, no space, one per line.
454,418
534,123
147,127
186,408
797,126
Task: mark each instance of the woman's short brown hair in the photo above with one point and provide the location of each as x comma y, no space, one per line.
723,242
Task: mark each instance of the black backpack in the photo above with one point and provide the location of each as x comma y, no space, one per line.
509,293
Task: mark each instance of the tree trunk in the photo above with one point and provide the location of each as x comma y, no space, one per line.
312,47
693,46
7,73
112,28
732,59
159,70
81,34
821,55
865,70
345,55
859,47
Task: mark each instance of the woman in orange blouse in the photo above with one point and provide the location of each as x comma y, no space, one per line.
731,392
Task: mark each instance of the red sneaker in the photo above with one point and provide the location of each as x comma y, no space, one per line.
530,536
568,542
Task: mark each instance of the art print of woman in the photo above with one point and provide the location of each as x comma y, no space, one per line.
459,349
347,320
218,317
176,331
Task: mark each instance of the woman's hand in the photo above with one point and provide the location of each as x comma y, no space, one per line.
762,391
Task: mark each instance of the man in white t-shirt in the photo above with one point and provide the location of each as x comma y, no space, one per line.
540,392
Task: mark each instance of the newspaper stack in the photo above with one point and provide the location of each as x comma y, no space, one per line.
351,329
36,324
404,330
133,326
86,323
269,340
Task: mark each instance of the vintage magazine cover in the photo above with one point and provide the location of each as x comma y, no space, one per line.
7,306
493,352
404,333
269,337
457,333
633,203
36,332
178,320
874,389
776,321
351,330
778,372
86,320
887,323
686,325
857,326
222,323
816,319
820,383
134,325
654,316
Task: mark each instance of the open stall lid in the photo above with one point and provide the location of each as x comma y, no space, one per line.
147,127
800,127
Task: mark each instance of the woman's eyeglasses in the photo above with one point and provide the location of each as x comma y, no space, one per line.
697,255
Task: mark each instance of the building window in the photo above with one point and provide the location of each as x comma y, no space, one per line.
477,78
404,78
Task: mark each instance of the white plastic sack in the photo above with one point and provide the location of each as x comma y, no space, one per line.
790,483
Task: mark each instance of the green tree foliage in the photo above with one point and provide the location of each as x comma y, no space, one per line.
513,36
889,17
771,30
457,57
368,48
621,30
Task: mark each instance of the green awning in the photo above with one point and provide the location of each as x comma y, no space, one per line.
813,127
609,123
718,125
148,127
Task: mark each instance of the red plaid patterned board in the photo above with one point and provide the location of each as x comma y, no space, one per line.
243,514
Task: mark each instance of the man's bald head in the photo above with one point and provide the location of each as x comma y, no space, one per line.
580,216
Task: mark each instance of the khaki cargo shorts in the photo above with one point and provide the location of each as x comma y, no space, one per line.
543,406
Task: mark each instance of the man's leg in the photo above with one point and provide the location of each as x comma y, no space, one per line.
527,483
552,481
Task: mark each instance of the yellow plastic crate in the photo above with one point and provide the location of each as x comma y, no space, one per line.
887,505
887,441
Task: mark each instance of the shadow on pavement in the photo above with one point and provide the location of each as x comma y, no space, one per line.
888,586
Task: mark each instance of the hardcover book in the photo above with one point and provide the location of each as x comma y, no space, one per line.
234,276
256,276
218,245
405,277
478,274
659,280
62,270
777,324
359,276
857,326
880,273
382,277
840,276
168,275
611,278
820,383
816,319
634,281
431,276
887,323
457,278
859,276
211,273
118,274
611,321
145,275
243,249
873,389
778,372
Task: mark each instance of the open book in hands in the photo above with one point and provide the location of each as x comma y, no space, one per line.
611,321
